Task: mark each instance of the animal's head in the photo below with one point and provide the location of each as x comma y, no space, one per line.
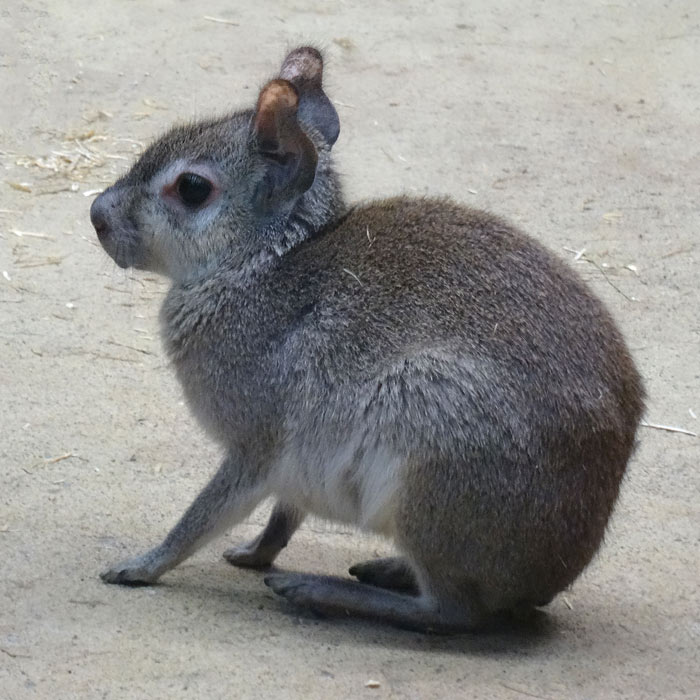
258,181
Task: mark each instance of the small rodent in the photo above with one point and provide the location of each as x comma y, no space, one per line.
411,366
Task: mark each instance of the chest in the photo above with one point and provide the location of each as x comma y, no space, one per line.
223,349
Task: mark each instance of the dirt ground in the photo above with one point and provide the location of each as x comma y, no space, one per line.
579,120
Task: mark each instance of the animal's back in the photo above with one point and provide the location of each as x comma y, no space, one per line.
403,278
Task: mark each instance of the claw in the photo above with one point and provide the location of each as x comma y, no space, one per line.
122,577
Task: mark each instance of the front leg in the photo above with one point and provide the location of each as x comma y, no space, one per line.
227,499
262,551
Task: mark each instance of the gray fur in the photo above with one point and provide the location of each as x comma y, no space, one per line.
411,366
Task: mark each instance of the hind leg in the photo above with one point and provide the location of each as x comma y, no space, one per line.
262,551
391,572
428,612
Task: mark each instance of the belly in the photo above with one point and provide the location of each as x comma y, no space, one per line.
348,482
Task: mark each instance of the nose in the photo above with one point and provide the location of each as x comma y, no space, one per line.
100,212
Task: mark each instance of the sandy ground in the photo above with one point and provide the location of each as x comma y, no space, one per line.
581,123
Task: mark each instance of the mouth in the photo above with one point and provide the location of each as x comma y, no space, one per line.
123,252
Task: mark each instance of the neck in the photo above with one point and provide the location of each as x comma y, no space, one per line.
319,206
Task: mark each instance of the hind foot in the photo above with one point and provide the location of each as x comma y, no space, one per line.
338,597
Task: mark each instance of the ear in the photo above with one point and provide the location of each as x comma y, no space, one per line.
290,157
304,69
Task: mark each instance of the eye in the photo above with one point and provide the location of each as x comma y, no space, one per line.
193,189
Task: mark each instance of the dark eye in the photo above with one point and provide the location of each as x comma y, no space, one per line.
193,189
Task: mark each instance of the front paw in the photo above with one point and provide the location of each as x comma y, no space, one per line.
138,571
248,556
